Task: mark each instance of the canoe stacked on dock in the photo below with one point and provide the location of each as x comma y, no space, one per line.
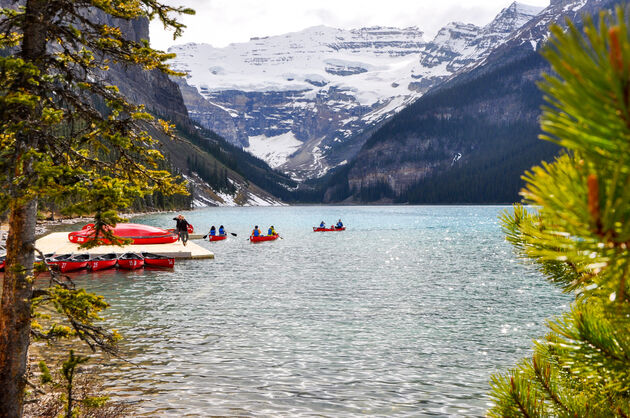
138,233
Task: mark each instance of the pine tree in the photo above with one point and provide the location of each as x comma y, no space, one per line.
579,233
64,131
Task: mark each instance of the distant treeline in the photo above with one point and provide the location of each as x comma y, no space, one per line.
490,117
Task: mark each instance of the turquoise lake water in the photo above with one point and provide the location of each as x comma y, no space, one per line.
407,313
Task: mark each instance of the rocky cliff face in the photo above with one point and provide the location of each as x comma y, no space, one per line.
306,101
154,89
469,139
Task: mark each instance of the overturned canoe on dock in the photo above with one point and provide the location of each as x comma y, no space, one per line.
138,233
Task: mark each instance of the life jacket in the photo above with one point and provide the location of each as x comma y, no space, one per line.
339,225
256,232
271,231
322,225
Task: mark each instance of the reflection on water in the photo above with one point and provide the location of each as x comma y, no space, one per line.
407,312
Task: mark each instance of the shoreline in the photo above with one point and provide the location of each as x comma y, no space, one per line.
43,227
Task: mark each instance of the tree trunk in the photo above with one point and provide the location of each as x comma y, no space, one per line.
17,289
15,311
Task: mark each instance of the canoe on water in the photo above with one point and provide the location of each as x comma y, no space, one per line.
69,262
130,261
103,262
156,260
138,233
262,238
317,229
216,237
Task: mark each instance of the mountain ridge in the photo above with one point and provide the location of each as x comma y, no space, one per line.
318,89
469,139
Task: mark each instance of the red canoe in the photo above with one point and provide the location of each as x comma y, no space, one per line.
130,261
217,237
103,262
316,229
69,262
262,238
140,234
156,260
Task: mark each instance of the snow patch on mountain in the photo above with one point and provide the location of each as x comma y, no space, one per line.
363,61
274,150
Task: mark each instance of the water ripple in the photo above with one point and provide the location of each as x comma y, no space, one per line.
408,312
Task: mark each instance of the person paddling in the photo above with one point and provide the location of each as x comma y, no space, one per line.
256,232
271,231
213,231
222,230
182,228
322,225
339,224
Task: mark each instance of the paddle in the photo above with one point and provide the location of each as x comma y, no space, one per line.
233,234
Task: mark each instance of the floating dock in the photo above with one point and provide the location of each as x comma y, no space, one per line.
58,243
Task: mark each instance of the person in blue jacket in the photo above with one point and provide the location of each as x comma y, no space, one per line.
339,224
256,231
322,225
213,231
222,230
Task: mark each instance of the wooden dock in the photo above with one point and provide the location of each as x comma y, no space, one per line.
57,242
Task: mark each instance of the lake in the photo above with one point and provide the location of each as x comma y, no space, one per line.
406,313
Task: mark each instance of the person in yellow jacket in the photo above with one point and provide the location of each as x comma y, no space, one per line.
271,231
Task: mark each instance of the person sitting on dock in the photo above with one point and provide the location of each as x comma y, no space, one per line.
256,232
222,230
339,224
271,231
213,231
322,224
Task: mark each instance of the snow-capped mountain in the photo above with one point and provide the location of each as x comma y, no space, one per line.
305,102
472,137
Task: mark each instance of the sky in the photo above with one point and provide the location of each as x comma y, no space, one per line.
221,22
